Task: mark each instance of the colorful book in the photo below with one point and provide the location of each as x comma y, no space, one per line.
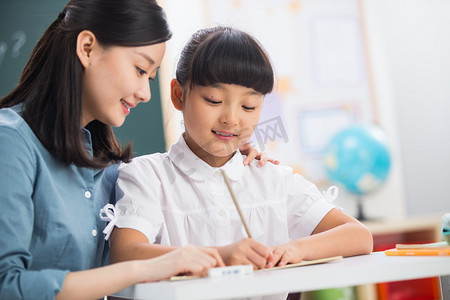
444,251
423,246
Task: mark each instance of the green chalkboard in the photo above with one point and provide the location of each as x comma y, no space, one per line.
22,22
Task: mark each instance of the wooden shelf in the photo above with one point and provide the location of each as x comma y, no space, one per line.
432,224
387,233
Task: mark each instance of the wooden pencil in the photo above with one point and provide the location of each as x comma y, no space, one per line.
233,196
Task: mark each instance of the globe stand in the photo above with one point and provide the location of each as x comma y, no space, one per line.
360,212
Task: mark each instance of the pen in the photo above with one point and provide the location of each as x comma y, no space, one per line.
227,182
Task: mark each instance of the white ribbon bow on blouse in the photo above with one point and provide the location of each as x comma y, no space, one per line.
331,194
107,213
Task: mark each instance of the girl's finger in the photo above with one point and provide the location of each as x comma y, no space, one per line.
258,261
215,254
285,259
277,254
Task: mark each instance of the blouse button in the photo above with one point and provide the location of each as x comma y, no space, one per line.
222,212
87,194
94,232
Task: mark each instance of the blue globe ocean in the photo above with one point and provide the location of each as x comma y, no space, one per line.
358,158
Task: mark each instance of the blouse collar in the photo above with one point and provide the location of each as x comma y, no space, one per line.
191,165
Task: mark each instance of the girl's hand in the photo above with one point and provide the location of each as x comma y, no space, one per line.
284,254
187,260
252,153
245,252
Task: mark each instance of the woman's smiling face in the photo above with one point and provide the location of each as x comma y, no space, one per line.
116,79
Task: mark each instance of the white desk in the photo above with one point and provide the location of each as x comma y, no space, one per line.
358,270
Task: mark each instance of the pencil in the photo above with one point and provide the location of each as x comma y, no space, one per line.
227,182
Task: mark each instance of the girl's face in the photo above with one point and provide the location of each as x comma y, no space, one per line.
219,119
116,79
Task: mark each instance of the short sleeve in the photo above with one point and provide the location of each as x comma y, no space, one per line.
137,193
17,173
306,206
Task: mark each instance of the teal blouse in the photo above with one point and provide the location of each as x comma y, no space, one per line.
49,213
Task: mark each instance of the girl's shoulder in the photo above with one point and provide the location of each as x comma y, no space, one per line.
146,163
270,172
153,158
270,168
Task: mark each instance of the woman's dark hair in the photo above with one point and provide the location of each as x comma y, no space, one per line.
225,55
50,86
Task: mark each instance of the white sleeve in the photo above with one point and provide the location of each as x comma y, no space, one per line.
306,206
138,190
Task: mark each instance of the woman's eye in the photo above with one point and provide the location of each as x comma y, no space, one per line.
248,108
140,71
212,101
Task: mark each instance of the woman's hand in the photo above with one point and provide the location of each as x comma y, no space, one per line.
252,153
187,260
245,252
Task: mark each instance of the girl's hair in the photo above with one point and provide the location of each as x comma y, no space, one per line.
50,86
225,55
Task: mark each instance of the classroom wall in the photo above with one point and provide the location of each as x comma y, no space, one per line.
414,41
22,22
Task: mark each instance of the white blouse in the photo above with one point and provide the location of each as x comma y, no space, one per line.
175,198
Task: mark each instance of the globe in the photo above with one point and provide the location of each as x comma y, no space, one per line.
358,158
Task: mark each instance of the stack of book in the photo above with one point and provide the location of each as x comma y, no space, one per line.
440,248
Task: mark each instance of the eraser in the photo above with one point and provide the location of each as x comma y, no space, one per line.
231,270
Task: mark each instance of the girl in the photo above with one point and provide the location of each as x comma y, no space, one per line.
91,66
221,79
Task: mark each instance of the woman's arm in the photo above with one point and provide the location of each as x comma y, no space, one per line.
96,283
336,234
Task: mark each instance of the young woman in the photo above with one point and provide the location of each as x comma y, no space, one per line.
89,69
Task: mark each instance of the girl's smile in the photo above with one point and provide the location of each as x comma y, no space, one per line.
223,135
218,118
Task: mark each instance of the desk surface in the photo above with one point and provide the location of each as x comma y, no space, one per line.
351,271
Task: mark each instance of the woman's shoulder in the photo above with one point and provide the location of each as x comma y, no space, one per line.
14,126
9,117
19,145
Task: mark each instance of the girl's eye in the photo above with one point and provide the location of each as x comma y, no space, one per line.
248,108
212,101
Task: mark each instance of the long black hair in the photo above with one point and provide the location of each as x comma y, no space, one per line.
224,54
50,86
